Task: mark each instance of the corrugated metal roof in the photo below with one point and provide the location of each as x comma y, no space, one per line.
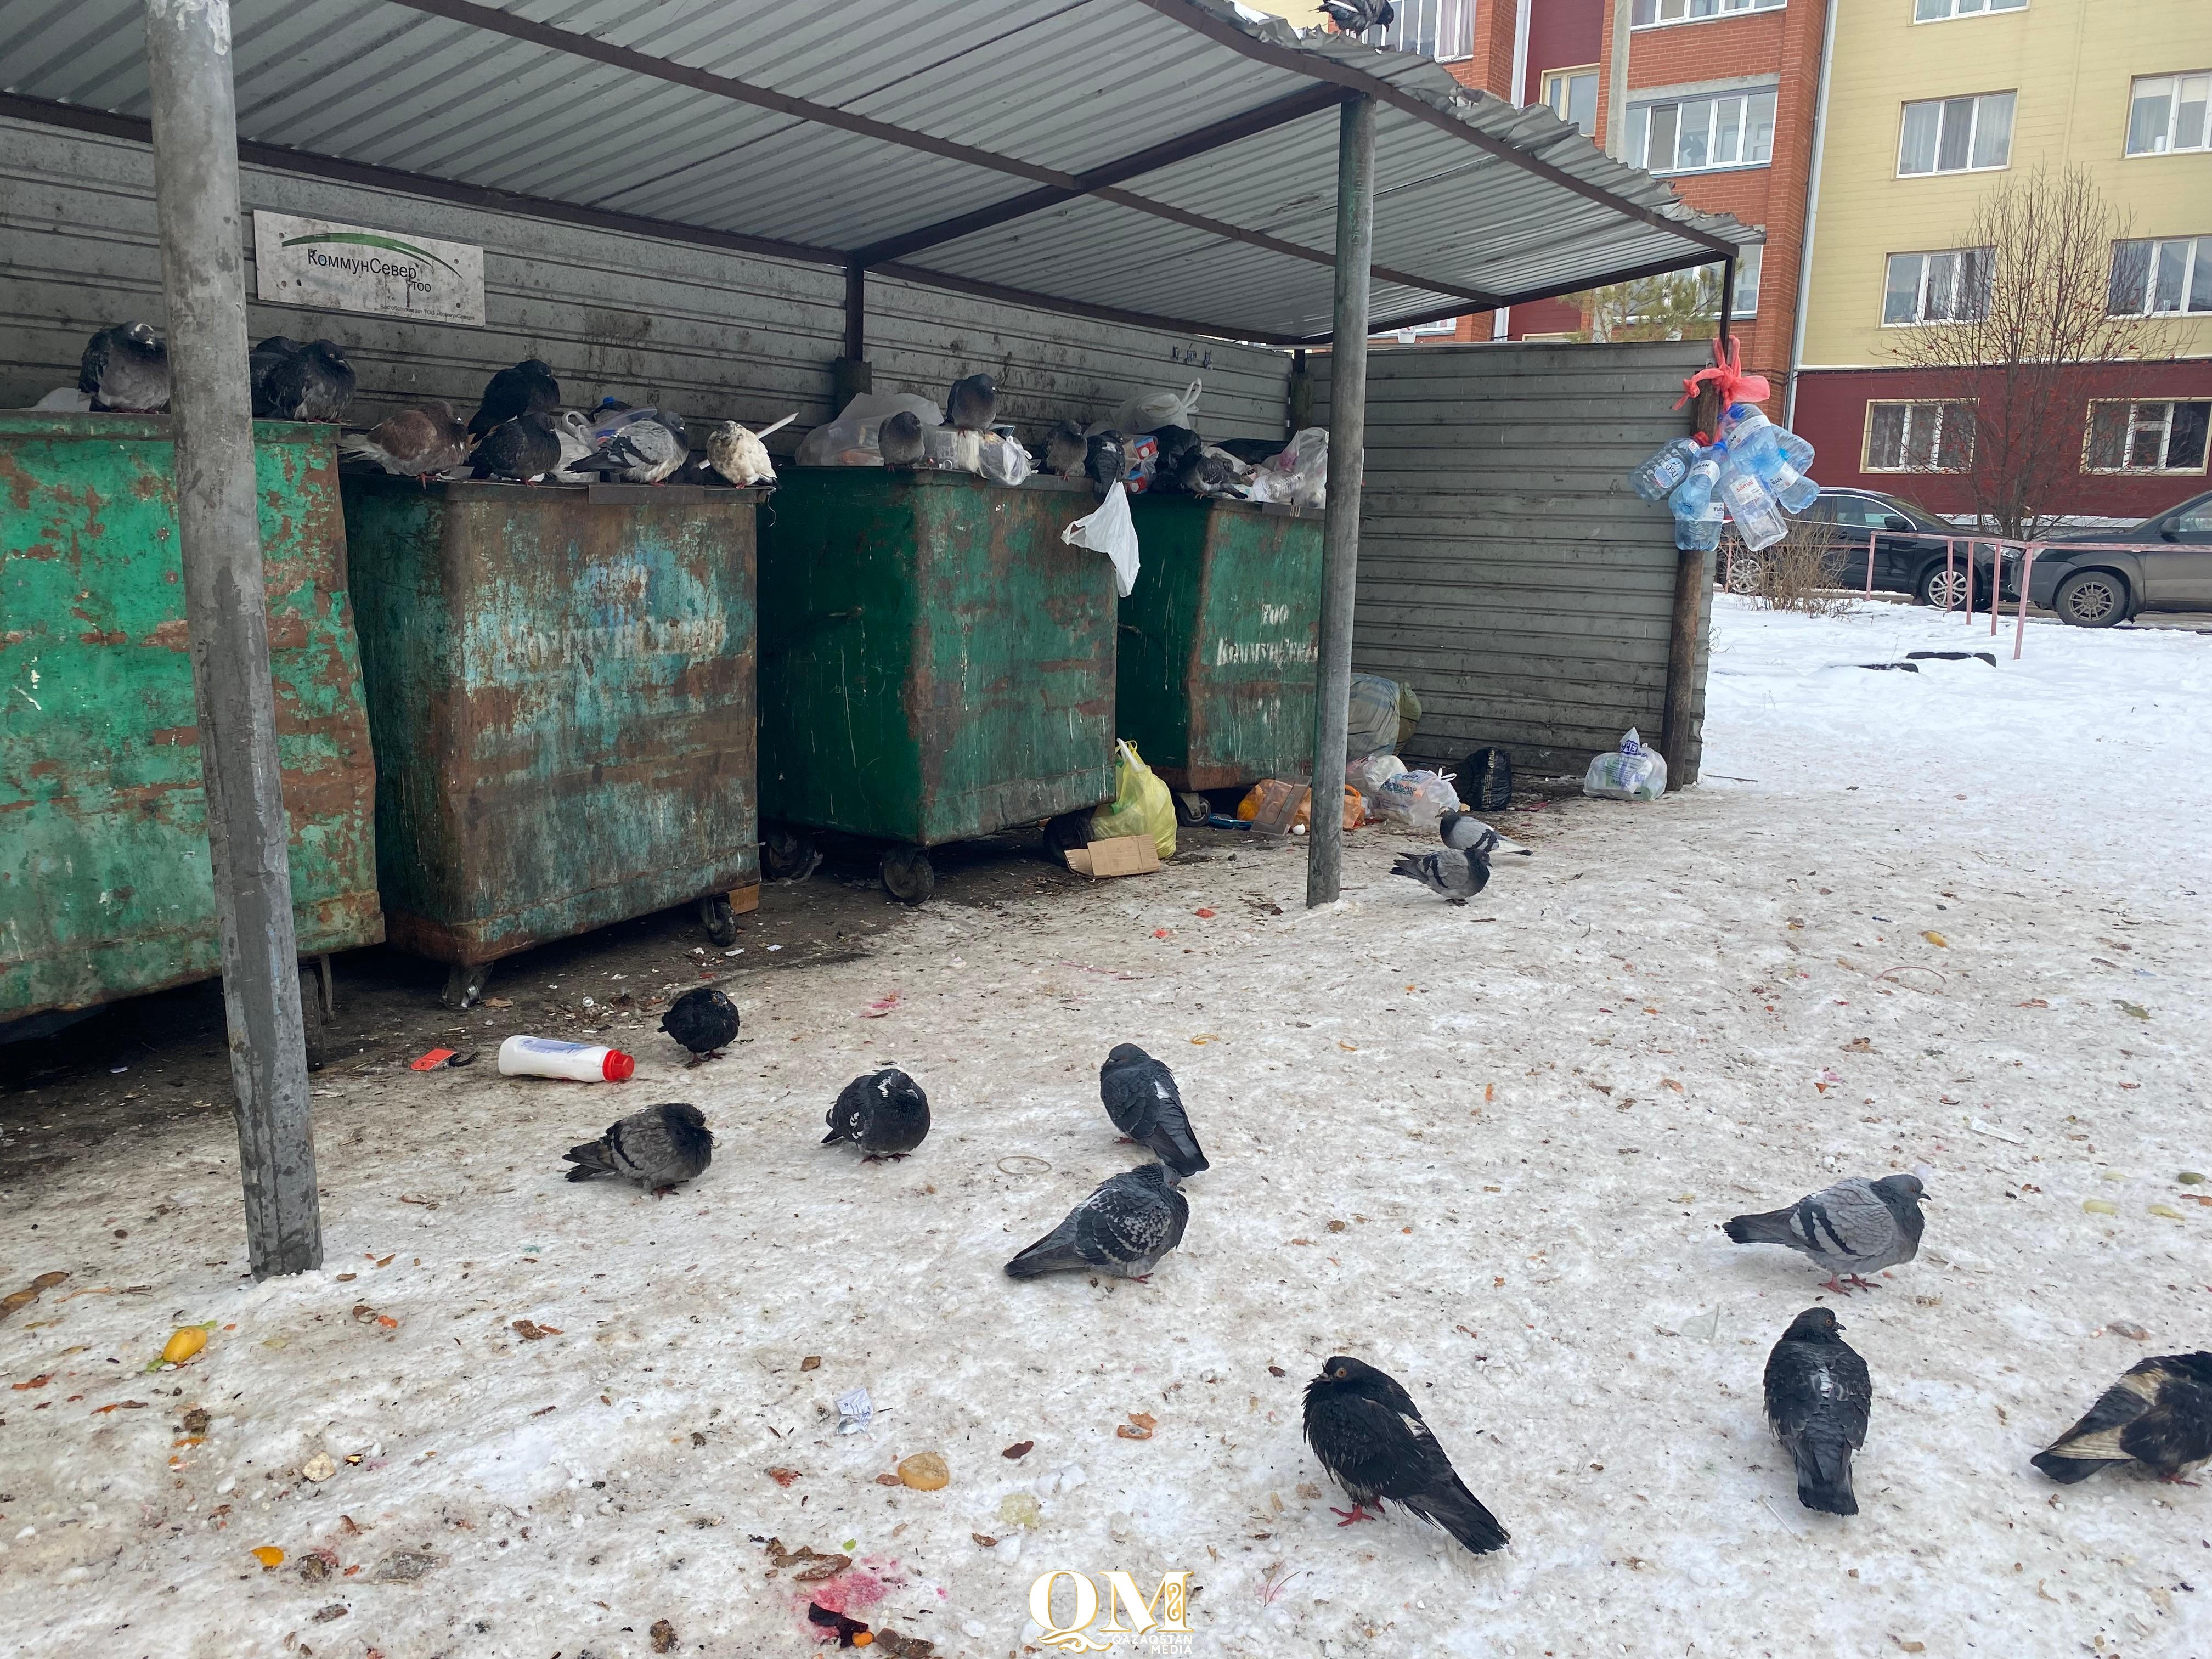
983,144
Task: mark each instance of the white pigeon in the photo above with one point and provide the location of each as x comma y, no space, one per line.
738,454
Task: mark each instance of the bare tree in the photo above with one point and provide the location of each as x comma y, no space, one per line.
2022,309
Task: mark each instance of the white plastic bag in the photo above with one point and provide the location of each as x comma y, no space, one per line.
1629,773
1416,799
1297,476
1003,460
1156,409
1109,531
1370,772
850,440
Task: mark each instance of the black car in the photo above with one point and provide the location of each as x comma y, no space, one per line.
1909,548
2095,587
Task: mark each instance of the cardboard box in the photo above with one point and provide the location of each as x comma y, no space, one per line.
1119,855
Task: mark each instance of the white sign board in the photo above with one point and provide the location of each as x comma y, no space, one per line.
314,262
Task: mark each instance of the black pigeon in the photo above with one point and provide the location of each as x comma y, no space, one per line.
1066,449
125,368
899,439
1371,1438
528,388
265,356
1141,1097
2159,1414
1855,1225
704,1021
1103,459
656,1148
315,383
973,403
1123,1228
1253,452
884,1114
1357,16
520,449
1817,1396
1174,442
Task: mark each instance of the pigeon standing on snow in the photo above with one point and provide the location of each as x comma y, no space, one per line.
518,449
1817,1396
899,439
704,1021
884,1114
1451,873
125,368
2159,1414
1856,1225
1123,1228
1142,1099
1469,833
642,452
528,388
1371,1438
412,443
973,403
315,383
656,1148
1065,450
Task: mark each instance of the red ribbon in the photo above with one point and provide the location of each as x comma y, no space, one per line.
1726,375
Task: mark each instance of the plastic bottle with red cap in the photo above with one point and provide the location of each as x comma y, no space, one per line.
578,1062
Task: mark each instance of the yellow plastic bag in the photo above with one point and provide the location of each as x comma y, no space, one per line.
1142,804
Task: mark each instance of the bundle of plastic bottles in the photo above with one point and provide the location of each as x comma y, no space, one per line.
1754,474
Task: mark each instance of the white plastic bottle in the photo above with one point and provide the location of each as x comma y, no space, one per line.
581,1063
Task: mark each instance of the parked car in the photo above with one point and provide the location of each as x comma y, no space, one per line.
2097,587
1910,549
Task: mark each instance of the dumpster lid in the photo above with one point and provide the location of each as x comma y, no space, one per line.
1162,162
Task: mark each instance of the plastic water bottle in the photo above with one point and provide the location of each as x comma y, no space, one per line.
1757,443
1794,449
1664,469
1758,516
579,1062
1696,504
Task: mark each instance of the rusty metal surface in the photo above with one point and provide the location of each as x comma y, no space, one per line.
561,692
105,886
1219,640
938,663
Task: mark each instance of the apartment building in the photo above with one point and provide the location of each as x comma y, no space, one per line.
1932,103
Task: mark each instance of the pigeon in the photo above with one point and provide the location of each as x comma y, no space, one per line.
520,449
703,1020
266,356
1103,459
1357,16
1370,1436
643,452
1066,449
899,439
1451,874
1817,1395
528,388
415,442
2159,1414
656,1148
1174,442
1855,1225
1469,833
738,454
1253,452
1141,1097
973,403
884,1114
1124,1228
1207,472
314,383
125,368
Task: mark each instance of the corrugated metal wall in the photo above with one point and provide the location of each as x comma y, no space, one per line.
1506,569
715,334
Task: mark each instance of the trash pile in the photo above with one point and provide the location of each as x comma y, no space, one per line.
1753,475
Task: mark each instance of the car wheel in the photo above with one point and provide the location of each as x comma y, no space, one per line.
1945,588
2091,598
1743,575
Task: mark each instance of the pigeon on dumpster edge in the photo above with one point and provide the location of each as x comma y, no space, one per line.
315,383
1817,1396
1856,1225
1065,450
528,388
416,442
739,455
899,439
1123,1228
973,403
1146,1107
656,1148
1371,1438
520,449
643,452
884,1114
125,368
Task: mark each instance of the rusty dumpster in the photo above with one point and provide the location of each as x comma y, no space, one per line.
106,889
561,688
938,663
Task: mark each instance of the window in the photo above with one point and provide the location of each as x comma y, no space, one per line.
1650,12
1697,135
1933,11
2162,279
1747,264
2166,113
1956,135
1932,437
1937,287
1572,94
1441,29
1413,332
1863,512
2138,437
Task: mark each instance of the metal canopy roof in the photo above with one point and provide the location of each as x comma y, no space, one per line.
1161,161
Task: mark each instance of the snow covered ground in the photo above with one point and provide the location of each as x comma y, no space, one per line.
1950,921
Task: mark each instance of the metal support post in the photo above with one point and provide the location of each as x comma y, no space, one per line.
226,612
851,375
1347,444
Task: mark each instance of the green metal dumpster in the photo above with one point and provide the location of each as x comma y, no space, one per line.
106,889
561,686
1220,641
937,662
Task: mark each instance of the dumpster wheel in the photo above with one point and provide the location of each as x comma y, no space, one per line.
789,856
1192,808
720,920
908,876
464,984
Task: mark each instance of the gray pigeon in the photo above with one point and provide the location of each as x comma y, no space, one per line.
656,1148
884,1114
1104,460
1142,1099
1449,873
1471,835
521,448
1065,449
643,452
1204,472
417,442
315,383
899,439
1856,1225
263,359
973,405
1818,1394
125,368
1123,1228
